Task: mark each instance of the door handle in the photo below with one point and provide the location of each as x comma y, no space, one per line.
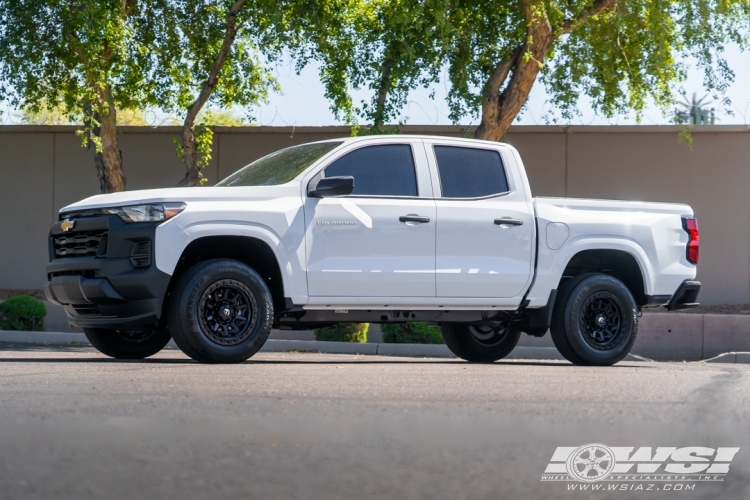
507,221
414,218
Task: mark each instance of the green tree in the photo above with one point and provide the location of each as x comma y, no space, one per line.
207,54
85,57
386,46
621,54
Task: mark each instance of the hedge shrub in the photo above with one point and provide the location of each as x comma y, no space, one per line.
411,333
22,312
343,332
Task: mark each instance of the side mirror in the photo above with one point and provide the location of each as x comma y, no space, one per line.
332,186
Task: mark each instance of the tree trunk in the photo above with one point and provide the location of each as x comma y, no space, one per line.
111,154
499,109
108,161
193,174
384,87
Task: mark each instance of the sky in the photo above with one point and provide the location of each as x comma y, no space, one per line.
302,101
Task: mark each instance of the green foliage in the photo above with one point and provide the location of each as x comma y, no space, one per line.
343,332
90,58
222,118
621,58
386,46
204,139
411,333
22,312
685,137
57,56
186,41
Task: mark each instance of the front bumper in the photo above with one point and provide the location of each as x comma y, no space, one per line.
686,296
109,287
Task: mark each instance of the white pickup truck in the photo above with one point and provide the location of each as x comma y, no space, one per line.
369,229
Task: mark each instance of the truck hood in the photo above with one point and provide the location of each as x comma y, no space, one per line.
254,193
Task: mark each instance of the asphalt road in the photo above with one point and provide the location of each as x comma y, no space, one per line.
74,424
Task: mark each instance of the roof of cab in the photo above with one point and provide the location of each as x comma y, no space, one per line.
378,138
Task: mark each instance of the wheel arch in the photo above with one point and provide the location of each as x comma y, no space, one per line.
619,264
251,251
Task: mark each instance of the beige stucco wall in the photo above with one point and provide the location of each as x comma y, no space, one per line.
44,168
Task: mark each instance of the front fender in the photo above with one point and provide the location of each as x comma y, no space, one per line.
172,240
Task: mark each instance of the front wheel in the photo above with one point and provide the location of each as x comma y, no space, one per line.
122,344
479,343
220,311
595,321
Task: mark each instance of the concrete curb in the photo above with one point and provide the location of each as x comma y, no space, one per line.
42,337
730,357
408,350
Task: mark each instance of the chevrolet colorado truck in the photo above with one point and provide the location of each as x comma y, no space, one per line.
369,229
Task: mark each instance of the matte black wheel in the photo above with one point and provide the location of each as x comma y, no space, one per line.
478,343
127,344
595,321
220,311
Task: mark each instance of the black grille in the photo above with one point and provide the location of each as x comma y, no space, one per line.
87,310
97,212
81,244
88,273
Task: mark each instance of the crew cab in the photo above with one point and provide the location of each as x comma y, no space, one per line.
369,229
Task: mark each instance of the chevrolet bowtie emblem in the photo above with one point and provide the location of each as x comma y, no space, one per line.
67,224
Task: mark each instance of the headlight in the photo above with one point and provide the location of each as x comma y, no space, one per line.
148,213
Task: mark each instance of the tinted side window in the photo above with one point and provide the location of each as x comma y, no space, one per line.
470,173
386,170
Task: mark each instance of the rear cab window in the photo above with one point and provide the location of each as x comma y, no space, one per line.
470,172
379,170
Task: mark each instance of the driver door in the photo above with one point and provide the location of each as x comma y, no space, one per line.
380,240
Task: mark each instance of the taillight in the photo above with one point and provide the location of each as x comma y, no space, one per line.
694,240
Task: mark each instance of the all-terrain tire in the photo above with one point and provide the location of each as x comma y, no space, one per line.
595,320
479,344
128,344
220,311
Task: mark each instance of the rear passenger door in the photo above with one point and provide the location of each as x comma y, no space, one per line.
484,222
380,240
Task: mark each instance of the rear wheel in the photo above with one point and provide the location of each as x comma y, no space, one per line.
478,343
595,321
220,311
122,344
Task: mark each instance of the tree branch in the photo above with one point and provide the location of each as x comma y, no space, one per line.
384,87
189,143
77,47
572,23
499,109
213,75
128,6
500,74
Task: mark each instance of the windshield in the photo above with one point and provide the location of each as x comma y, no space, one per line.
279,167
